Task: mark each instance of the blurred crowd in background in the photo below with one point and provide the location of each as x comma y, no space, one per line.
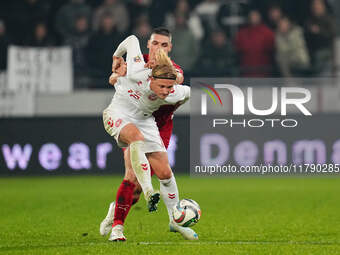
211,38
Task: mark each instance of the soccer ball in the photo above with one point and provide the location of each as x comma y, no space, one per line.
186,213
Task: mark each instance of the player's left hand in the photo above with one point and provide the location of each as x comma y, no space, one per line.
151,64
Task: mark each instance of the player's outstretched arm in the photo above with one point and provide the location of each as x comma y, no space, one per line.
180,94
134,59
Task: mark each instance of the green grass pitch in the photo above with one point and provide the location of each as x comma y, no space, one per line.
61,215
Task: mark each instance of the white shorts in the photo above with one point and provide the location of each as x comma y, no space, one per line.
114,123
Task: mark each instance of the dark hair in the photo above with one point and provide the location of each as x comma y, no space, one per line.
162,31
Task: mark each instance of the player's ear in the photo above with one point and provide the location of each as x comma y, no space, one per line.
148,45
170,47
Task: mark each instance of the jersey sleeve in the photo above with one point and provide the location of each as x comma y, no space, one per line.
178,68
134,58
180,93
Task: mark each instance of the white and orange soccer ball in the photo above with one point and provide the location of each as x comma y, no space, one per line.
186,213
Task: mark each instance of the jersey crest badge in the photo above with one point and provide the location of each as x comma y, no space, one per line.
137,59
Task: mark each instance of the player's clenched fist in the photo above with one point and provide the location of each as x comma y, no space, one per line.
118,69
116,63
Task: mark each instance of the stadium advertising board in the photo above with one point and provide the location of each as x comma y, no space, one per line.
81,146
69,145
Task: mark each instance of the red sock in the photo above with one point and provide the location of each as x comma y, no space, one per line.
135,200
123,202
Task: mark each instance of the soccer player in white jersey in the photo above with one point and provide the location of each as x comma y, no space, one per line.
129,120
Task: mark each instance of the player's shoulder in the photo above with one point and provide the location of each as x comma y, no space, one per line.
178,67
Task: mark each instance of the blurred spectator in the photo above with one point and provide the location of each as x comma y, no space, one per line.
137,8
157,10
101,47
4,42
255,45
207,11
217,57
143,31
232,15
117,10
320,33
79,41
194,22
185,45
23,15
291,51
68,14
274,16
40,37
335,7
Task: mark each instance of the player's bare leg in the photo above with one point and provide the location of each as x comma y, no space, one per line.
131,135
128,194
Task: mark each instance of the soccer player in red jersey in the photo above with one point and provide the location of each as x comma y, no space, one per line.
129,190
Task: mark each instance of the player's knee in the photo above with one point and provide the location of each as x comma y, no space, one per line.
166,174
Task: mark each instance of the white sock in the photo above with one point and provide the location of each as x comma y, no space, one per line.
141,167
169,193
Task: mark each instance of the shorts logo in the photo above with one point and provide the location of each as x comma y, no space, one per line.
144,167
118,122
139,83
110,122
171,195
137,59
152,97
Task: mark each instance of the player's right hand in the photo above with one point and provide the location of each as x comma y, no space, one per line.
119,68
117,63
151,64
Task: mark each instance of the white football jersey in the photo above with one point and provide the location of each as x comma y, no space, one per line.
133,95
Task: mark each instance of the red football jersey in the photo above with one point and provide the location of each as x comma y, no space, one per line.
163,115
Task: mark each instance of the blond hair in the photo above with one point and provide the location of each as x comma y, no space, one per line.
164,67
